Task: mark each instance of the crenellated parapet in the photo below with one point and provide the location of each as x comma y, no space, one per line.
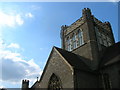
86,15
25,84
86,12
74,25
105,25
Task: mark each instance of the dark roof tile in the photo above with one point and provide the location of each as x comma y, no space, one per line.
74,60
110,53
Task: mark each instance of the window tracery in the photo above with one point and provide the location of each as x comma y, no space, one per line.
74,41
54,83
103,38
80,38
68,44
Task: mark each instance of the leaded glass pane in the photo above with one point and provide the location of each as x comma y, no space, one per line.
80,38
100,40
74,41
54,83
68,46
105,42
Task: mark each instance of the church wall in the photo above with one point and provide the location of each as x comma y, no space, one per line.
60,68
86,24
113,72
86,47
85,79
87,50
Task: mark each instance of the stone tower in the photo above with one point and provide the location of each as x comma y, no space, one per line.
25,84
87,37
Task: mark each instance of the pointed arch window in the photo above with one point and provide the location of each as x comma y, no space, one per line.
74,41
103,37
68,44
106,81
54,83
80,38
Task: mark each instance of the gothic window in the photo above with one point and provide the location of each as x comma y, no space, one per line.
106,81
104,40
54,83
68,44
80,38
109,41
102,37
100,40
74,41
99,37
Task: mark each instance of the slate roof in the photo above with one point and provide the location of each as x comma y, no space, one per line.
74,60
82,63
110,53
35,84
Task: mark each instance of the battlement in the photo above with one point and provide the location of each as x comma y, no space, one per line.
86,9
67,29
25,83
86,12
63,27
105,25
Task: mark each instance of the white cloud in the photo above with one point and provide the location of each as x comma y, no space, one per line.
6,19
19,20
12,19
1,86
1,44
14,45
15,67
29,15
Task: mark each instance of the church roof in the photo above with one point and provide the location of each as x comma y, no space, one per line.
110,54
79,62
74,60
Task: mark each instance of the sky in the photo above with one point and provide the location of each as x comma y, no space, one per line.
29,30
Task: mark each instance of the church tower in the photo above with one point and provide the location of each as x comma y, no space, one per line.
25,84
87,37
89,58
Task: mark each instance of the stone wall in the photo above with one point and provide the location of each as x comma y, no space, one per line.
86,79
57,65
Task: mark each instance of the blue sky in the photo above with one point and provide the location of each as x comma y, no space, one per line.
28,31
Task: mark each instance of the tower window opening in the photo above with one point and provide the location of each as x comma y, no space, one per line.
80,38
109,41
103,38
106,80
69,47
74,41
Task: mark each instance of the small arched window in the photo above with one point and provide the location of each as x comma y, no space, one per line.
54,83
80,38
